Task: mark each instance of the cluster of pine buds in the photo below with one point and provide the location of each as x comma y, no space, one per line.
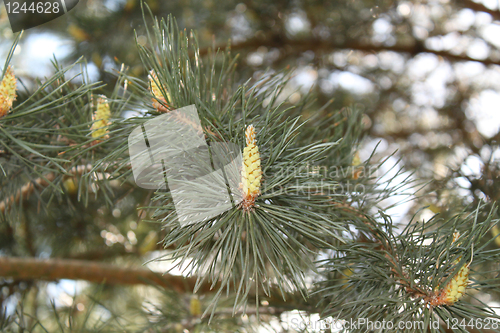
7,91
455,289
251,173
101,118
159,101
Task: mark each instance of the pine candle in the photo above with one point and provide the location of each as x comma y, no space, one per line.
455,289
157,94
195,307
251,172
7,91
101,118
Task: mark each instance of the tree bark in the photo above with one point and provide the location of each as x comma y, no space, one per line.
56,269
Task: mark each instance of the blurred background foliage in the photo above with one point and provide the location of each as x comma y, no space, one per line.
425,73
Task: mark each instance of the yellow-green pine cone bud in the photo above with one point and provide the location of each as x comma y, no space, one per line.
71,185
357,171
251,170
153,82
195,307
7,91
253,174
156,92
455,289
101,118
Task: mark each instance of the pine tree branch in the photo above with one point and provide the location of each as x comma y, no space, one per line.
298,46
29,269
56,269
479,7
26,190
